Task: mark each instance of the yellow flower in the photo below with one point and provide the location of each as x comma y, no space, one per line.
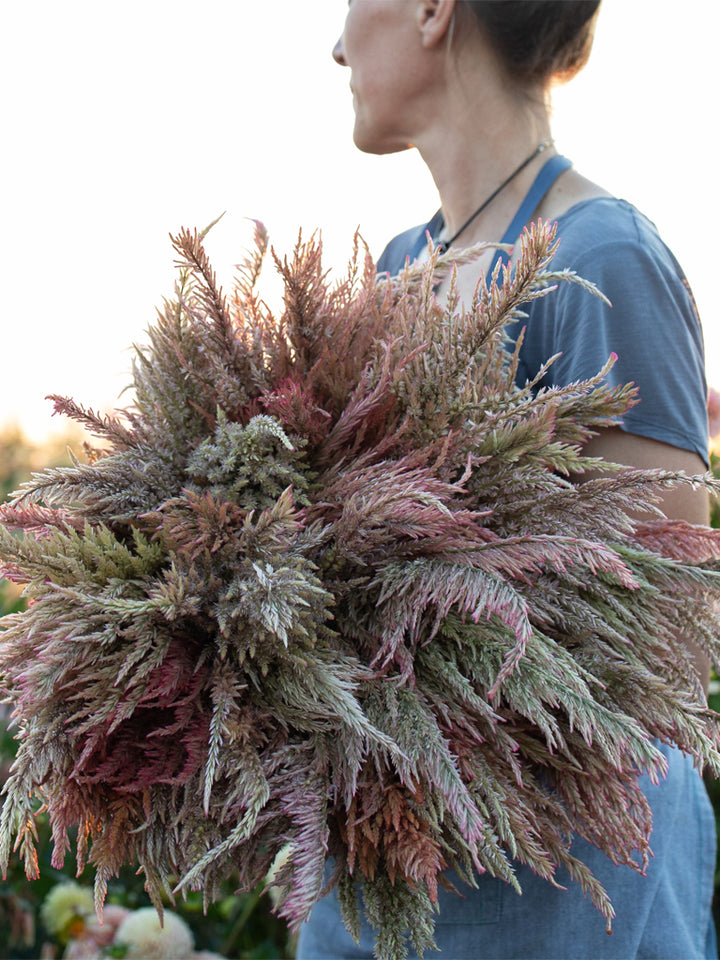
66,909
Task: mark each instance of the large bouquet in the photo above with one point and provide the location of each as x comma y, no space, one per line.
328,591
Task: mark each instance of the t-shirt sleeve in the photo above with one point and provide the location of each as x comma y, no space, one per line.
392,259
408,244
652,327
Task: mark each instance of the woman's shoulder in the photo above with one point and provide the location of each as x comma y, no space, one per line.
598,226
648,321
608,228
609,242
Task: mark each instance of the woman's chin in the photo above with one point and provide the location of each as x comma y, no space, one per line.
369,142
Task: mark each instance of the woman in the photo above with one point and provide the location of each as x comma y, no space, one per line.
467,84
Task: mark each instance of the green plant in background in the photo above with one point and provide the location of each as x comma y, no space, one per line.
715,501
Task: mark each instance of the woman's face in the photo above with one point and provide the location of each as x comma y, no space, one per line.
381,45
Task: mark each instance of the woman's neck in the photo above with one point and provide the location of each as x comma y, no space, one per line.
472,147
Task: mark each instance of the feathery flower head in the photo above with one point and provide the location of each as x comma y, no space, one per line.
328,591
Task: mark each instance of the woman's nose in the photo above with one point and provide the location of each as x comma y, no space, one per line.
338,53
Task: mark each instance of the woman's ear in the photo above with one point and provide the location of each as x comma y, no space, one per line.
434,18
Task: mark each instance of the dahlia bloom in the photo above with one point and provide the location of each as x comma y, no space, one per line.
66,909
149,937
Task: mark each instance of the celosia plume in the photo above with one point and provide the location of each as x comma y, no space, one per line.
328,590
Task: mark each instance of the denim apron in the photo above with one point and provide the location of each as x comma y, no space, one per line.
664,915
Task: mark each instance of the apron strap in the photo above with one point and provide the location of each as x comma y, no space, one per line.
547,176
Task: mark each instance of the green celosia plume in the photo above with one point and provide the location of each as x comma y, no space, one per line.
327,590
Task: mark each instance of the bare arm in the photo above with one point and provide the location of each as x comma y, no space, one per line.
681,503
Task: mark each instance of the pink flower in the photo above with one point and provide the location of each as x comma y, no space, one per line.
104,934
713,409
83,949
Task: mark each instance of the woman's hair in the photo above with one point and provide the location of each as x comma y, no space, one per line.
538,41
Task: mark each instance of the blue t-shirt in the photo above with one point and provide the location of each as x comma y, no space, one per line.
652,326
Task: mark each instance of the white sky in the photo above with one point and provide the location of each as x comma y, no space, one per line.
124,121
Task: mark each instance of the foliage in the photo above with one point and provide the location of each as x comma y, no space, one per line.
329,590
715,503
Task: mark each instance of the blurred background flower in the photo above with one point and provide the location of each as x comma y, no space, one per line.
66,910
713,408
146,937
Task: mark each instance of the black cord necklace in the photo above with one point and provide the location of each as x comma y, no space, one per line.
444,244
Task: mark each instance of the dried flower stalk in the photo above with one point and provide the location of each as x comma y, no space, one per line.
328,591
